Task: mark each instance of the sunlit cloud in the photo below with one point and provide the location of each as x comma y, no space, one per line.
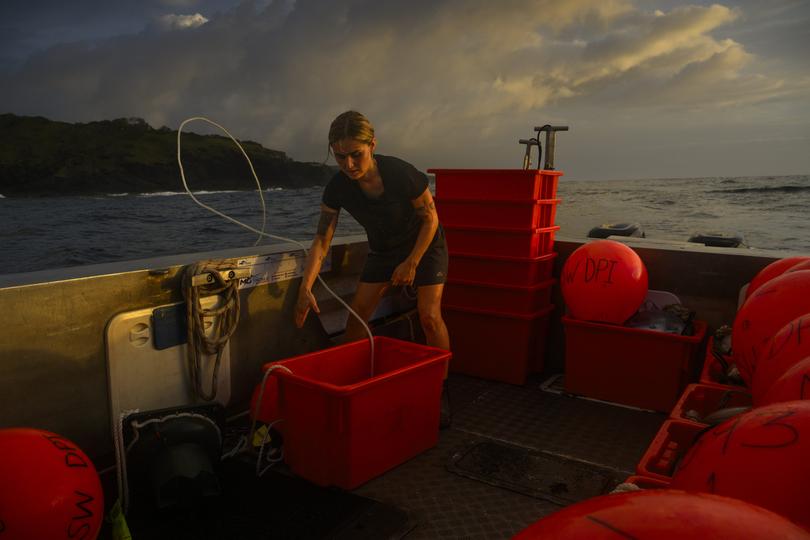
180,22
428,73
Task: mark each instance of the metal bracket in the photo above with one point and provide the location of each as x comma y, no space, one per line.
207,278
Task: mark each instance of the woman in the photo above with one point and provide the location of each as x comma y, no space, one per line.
391,200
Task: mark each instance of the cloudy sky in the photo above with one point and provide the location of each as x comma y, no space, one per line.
650,88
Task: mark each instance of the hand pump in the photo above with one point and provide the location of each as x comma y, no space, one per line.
550,132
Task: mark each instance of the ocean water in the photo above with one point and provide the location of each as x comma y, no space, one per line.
57,232
771,212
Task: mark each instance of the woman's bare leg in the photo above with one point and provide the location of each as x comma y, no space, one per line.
429,305
364,303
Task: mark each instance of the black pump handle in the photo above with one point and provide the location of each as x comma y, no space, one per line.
527,159
549,127
551,132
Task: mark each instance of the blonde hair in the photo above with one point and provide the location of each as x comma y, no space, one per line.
351,125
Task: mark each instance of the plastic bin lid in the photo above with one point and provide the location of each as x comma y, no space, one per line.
505,230
523,202
528,172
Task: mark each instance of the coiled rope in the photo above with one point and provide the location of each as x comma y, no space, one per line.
225,319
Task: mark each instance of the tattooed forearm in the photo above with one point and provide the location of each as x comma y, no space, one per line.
326,220
427,211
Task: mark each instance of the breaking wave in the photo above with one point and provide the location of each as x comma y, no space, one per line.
764,189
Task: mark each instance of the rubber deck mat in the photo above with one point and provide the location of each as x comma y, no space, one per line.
446,505
275,506
535,473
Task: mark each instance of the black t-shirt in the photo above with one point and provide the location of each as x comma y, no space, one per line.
390,220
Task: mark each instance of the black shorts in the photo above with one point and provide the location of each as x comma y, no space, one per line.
432,269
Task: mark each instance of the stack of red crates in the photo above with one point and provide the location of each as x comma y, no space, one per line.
497,301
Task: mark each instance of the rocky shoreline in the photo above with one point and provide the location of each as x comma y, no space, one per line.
42,158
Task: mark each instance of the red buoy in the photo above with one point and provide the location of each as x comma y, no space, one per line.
792,385
781,352
776,268
604,281
759,457
799,266
773,305
662,514
49,488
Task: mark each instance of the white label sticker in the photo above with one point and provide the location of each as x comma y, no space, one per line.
277,267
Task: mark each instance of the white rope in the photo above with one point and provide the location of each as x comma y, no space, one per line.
121,460
242,444
256,412
138,425
260,232
236,449
272,461
260,397
250,164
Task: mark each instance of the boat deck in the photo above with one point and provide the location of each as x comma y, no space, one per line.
512,455
444,504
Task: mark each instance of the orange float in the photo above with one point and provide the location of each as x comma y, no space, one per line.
604,281
773,305
49,488
793,385
662,514
759,457
789,345
776,268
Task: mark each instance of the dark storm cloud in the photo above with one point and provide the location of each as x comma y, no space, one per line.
26,27
447,82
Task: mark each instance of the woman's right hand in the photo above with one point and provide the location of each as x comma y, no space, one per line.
306,300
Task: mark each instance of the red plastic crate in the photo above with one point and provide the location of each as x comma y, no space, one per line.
506,242
712,370
344,426
501,298
705,399
500,270
633,366
496,184
668,447
502,346
514,214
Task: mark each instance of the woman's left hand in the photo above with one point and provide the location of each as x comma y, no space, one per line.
405,273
